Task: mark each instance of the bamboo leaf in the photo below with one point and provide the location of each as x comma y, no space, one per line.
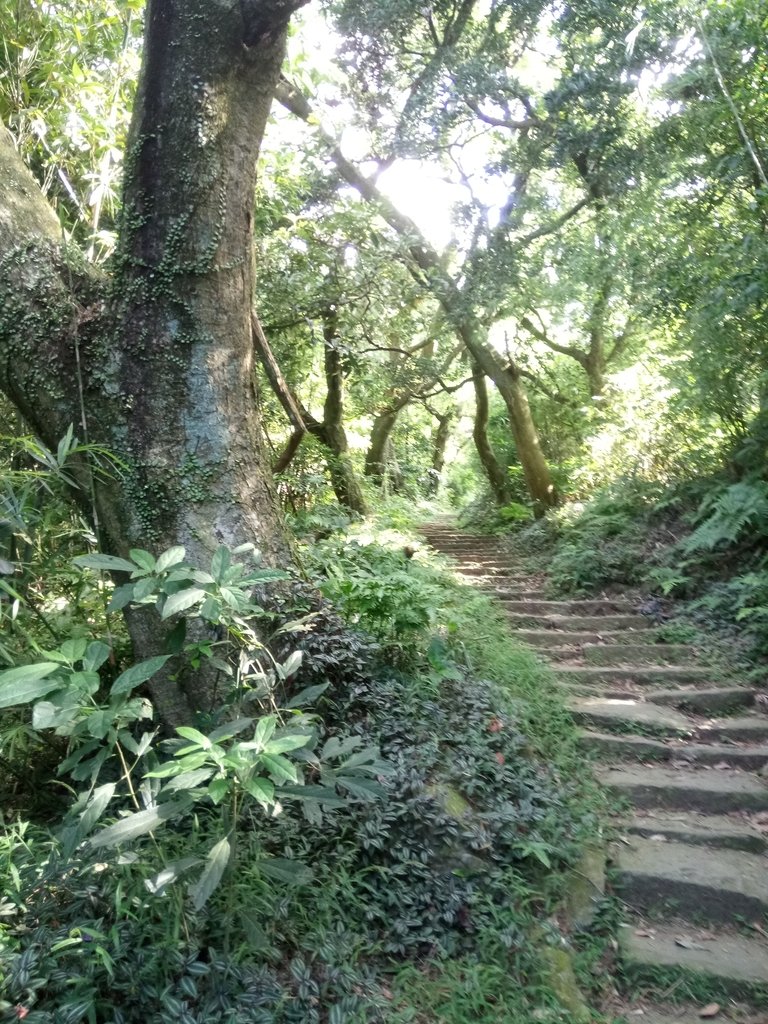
215,866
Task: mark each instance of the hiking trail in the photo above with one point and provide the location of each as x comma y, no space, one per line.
685,748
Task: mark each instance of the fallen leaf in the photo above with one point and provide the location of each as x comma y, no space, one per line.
658,838
723,764
710,1010
686,943
644,933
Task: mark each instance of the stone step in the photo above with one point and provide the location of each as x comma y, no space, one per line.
483,572
704,701
561,642
545,607
629,716
748,757
577,623
716,791
641,676
716,830
515,592
470,549
746,730
694,882
637,654
736,964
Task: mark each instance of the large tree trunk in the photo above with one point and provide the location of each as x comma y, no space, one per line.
163,367
496,474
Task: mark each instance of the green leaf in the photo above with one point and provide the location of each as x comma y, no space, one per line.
104,563
215,866
137,674
279,767
143,559
195,736
265,727
281,869
169,558
121,597
284,743
218,789
95,655
96,807
138,824
74,649
169,874
220,562
261,790
230,729
335,747
188,780
182,600
362,789
27,683
307,696
292,664
322,794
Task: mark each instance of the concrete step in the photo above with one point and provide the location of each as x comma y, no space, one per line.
719,831
715,791
753,729
748,757
672,675
483,572
697,883
546,607
565,644
577,623
736,964
706,700
629,716
638,654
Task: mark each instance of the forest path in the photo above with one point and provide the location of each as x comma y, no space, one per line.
683,746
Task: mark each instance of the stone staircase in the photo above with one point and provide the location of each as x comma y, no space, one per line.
683,748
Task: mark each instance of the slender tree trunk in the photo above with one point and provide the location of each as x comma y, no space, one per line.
497,477
376,456
439,445
509,385
161,372
344,479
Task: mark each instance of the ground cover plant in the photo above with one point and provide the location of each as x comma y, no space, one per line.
385,797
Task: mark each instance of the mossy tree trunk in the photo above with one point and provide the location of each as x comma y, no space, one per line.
330,431
494,471
155,363
445,421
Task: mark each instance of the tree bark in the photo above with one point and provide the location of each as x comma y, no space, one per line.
497,477
439,446
157,365
509,385
376,456
330,431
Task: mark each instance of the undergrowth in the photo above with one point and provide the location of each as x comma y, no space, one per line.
371,828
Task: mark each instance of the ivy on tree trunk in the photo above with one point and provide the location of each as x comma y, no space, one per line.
155,362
